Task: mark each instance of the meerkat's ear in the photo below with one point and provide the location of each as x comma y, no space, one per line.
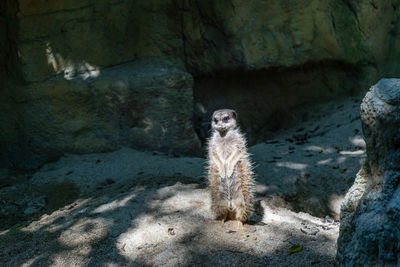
234,114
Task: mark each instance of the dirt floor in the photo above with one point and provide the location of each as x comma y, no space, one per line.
132,208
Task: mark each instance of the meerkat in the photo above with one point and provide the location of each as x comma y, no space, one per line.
229,169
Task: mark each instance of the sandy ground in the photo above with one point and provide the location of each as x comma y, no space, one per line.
132,208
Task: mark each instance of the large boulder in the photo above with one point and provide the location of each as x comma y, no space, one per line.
370,213
144,105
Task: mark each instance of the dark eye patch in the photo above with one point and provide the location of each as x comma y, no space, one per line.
215,120
226,119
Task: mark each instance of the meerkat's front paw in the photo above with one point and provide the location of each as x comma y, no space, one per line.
240,225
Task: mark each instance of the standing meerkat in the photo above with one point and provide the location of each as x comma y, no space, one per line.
229,169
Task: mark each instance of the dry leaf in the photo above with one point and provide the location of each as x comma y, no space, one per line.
19,227
295,248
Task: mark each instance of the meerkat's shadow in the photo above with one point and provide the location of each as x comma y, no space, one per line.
257,215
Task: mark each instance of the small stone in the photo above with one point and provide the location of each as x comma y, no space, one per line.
309,230
171,231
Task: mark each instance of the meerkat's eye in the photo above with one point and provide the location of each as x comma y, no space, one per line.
226,119
215,120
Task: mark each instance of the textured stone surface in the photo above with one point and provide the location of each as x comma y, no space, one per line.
52,36
155,211
370,215
388,90
261,34
267,58
145,105
206,35
264,57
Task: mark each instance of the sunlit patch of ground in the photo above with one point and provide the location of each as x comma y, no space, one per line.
130,208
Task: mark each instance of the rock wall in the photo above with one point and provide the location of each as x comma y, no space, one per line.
57,35
8,24
265,57
262,34
370,213
146,105
3,40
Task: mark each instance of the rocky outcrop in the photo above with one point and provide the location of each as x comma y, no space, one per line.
370,214
146,105
284,54
265,58
52,37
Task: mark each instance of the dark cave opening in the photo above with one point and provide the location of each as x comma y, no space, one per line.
271,99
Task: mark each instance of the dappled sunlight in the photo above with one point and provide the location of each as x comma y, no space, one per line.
115,204
186,202
320,227
313,148
74,231
261,188
353,153
156,213
31,261
341,160
145,230
276,216
195,238
324,161
168,200
50,223
83,70
76,255
178,207
314,164
358,140
271,216
71,70
292,165
85,230
134,227
320,149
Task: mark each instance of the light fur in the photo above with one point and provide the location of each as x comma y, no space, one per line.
229,169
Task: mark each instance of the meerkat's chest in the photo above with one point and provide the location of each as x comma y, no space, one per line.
226,148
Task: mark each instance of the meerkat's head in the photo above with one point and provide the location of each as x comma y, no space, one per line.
224,120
